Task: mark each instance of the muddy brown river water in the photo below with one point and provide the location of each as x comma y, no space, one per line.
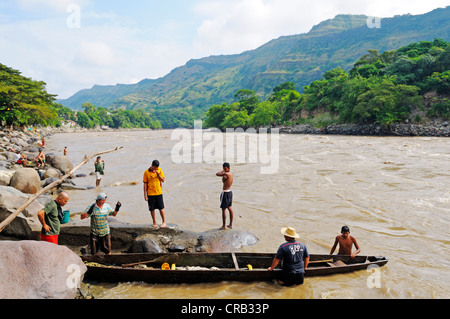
393,193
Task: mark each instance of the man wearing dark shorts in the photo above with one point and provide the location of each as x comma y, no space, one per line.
226,197
153,179
295,258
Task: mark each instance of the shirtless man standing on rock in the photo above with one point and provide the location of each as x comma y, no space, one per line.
226,197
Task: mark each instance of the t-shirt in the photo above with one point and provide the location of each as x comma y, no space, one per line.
99,167
99,219
292,254
51,218
153,183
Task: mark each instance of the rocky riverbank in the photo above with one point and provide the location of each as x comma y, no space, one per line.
438,128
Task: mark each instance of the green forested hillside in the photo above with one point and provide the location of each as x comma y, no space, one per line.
188,91
381,88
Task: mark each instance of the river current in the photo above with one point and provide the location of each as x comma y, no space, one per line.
393,193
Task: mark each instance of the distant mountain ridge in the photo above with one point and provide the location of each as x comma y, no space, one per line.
188,91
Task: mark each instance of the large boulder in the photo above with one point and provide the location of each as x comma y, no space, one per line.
61,163
217,240
52,172
26,180
26,222
39,270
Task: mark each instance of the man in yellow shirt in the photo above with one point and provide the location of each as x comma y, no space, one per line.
153,179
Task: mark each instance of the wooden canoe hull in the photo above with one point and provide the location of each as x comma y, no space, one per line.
321,265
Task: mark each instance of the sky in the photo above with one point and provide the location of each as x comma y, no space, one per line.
74,44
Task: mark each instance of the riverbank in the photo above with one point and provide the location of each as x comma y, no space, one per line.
437,128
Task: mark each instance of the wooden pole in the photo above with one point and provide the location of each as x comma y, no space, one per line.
11,217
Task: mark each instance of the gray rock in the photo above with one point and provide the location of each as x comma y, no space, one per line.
27,180
26,222
145,244
61,163
217,240
52,172
39,270
5,177
176,248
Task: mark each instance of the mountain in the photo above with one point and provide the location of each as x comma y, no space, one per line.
188,91
103,95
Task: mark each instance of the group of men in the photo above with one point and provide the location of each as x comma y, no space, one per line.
293,254
22,159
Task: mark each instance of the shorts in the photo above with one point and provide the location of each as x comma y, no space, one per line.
50,238
292,278
155,202
226,199
98,175
100,243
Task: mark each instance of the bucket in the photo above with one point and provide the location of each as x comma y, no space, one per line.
66,217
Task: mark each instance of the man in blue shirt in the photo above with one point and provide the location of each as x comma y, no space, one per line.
295,258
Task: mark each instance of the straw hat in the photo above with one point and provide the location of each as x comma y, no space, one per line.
290,232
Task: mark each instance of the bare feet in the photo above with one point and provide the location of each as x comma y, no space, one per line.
230,226
163,225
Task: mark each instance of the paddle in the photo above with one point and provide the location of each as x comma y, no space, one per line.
169,258
236,265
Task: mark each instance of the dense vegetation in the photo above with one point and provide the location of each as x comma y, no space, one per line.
24,101
380,88
93,116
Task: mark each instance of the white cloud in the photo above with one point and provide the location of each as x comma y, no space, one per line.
56,5
236,25
105,50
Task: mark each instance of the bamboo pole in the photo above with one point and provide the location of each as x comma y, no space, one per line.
11,217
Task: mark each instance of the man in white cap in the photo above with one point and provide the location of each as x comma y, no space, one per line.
295,258
100,238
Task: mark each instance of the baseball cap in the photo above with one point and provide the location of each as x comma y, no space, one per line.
101,196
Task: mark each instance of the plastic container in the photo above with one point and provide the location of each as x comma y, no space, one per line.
165,266
66,217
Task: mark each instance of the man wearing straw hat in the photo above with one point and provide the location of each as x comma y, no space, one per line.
295,258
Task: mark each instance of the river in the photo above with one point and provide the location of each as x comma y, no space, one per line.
393,193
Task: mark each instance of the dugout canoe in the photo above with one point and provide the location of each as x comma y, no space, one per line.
211,267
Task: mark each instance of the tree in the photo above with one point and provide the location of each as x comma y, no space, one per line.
84,121
24,101
247,100
216,115
237,119
266,113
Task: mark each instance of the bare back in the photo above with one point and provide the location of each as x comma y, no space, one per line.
345,244
227,180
